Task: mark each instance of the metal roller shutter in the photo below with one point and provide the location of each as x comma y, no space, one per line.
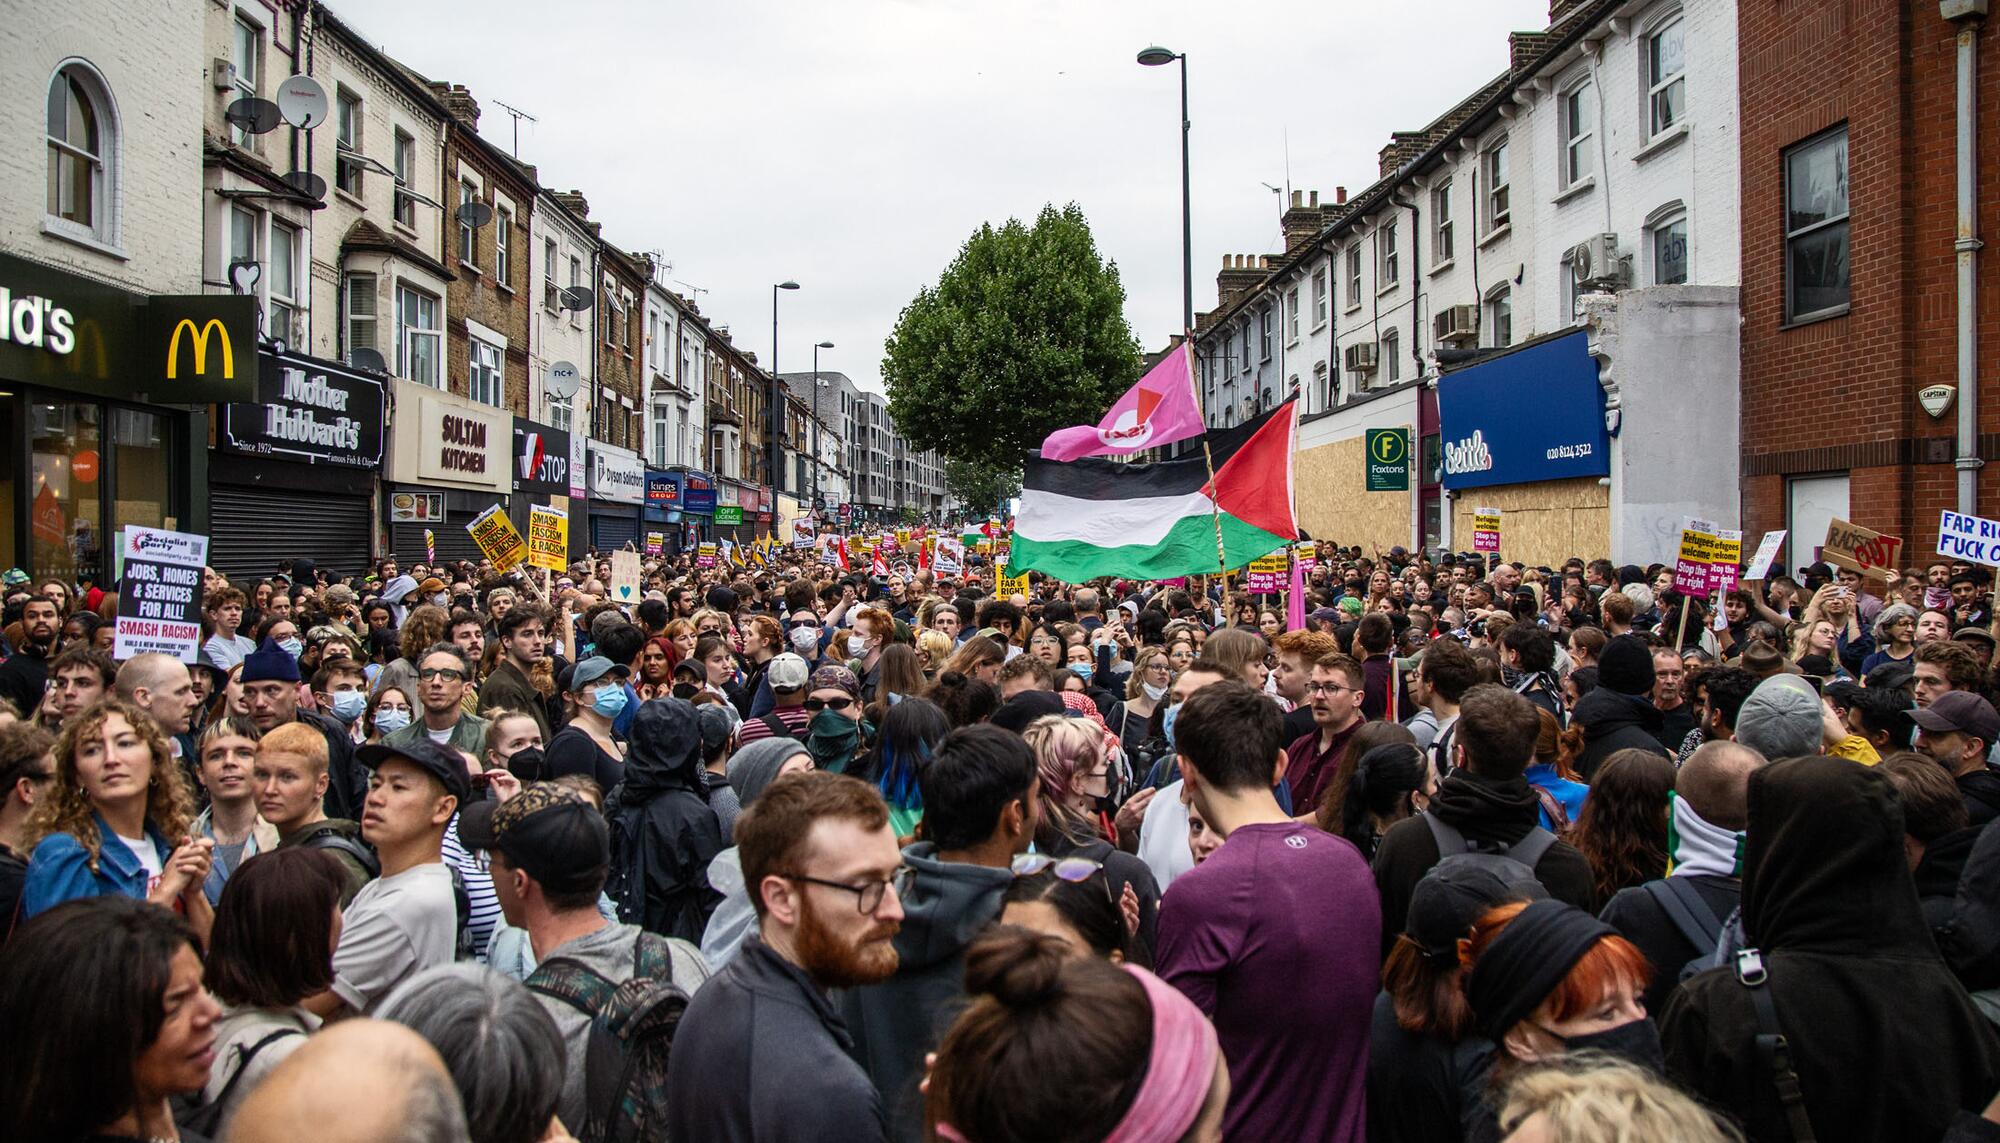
609,533
453,541
254,532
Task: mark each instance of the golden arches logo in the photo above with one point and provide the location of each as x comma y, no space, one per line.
1388,447
199,336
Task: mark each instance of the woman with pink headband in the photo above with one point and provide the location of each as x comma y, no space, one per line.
1056,1048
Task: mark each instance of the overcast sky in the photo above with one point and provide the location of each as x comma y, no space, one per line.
853,145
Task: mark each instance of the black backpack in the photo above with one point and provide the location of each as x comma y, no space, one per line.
326,836
206,1120
1715,939
631,1038
1528,851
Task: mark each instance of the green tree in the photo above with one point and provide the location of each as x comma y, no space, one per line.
1024,333
982,486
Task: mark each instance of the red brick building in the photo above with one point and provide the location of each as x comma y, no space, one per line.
1850,297
487,303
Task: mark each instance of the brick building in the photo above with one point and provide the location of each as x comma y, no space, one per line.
487,304
1850,298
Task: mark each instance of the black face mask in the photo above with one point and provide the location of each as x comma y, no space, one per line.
686,690
1635,1043
527,764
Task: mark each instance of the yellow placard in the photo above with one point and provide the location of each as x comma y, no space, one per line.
548,537
1006,585
498,539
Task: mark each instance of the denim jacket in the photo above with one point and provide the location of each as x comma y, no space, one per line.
59,869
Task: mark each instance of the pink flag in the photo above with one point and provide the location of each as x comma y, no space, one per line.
1159,410
1295,600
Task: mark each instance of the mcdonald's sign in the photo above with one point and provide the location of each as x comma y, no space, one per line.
199,339
206,347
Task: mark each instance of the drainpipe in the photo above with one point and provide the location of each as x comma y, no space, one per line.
1967,15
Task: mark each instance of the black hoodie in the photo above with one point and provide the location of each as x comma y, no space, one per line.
1612,722
663,833
1886,1043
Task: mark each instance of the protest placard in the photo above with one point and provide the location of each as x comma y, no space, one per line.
704,556
548,537
1006,585
625,577
950,558
656,542
498,539
1767,552
1851,546
1974,539
159,596
1697,553
1486,529
1267,573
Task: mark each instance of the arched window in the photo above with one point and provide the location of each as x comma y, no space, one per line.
83,142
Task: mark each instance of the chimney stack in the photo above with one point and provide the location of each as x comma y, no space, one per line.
572,201
1340,196
1240,274
459,102
1303,222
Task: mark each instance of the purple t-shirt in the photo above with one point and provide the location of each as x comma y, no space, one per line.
1277,937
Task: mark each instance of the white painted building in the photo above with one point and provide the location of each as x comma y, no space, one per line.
673,391
125,202
1604,161
562,253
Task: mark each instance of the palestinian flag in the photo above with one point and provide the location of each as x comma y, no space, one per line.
1093,517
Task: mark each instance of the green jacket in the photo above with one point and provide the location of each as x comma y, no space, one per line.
469,735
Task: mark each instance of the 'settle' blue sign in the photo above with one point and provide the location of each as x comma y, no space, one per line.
1534,414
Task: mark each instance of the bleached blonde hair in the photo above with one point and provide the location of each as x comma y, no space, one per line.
1589,1098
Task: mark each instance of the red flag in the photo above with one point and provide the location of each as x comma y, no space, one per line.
843,553
881,565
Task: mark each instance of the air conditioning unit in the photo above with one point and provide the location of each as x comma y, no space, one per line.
1596,263
1455,324
222,73
1360,358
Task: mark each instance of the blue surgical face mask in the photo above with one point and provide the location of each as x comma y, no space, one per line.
292,646
391,721
1081,670
1167,721
348,705
610,701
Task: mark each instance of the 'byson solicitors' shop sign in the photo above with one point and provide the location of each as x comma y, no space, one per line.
308,410
1534,414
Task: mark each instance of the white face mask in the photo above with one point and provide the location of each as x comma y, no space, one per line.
441,599
857,646
805,640
1153,693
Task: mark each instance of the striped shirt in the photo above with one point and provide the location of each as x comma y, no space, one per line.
478,891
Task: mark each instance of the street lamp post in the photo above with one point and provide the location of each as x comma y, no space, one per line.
775,414
1157,56
817,386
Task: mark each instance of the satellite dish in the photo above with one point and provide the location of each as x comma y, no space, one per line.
474,214
302,101
563,380
257,116
306,183
578,298
362,357
243,276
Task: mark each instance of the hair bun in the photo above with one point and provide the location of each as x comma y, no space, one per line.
1016,966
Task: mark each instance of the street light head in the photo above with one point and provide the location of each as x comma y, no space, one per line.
788,285
826,345
1157,56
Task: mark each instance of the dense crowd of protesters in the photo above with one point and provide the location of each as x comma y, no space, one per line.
784,852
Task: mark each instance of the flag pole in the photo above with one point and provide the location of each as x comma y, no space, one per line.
1207,458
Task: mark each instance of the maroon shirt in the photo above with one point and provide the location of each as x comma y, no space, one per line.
1310,770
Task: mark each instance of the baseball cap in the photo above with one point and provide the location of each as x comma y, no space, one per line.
547,831
716,721
1979,633
1959,712
339,595
440,762
787,672
594,668
1456,892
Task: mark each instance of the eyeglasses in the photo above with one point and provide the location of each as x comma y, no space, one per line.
1329,688
451,673
705,631
868,897
814,704
1070,869
798,623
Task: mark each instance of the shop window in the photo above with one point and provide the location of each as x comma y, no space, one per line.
65,506
141,468
83,156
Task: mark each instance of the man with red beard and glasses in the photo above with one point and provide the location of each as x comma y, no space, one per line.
761,1054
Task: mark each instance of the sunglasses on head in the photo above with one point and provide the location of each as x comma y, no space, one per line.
816,705
1066,868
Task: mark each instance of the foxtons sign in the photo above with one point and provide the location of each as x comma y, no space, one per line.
308,410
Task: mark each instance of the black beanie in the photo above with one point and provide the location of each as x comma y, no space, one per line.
1626,666
1527,961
